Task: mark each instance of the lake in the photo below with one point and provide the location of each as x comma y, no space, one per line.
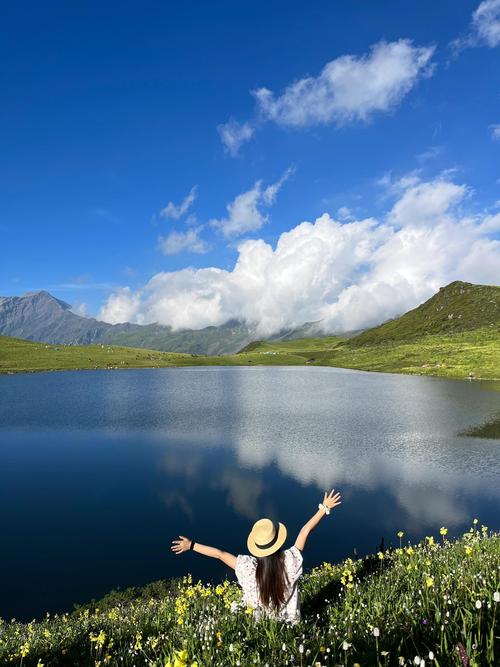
99,470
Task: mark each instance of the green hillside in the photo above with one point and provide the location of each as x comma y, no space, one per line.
456,308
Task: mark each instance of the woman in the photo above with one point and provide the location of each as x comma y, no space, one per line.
269,577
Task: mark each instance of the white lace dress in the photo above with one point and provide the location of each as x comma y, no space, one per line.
245,572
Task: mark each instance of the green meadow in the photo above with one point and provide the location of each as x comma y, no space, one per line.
435,603
444,355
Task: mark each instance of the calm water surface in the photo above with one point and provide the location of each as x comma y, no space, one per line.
99,470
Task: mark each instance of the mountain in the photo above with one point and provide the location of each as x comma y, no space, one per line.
39,316
456,308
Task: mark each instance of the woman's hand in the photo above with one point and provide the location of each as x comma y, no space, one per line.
331,500
181,545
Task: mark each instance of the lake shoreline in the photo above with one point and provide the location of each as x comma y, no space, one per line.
254,365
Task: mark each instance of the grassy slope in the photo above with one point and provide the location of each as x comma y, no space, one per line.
456,308
20,355
457,355
419,599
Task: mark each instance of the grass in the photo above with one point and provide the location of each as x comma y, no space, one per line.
433,603
444,355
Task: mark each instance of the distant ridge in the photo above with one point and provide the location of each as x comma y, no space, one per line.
456,308
40,317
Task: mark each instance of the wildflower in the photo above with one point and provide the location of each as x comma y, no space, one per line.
443,531
475,522
416,660
496,596
39,664
346,646
431,655
219,590
409,551
401,660
283,648
468,550
400,534
478,604
429,582
301,648
430,541
376,632
380,555
231,648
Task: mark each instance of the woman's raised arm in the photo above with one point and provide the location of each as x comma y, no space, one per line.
330,501
184,544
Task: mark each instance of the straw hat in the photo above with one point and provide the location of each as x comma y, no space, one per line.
266,537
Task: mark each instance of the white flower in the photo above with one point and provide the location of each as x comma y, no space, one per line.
376,632
231,648
431,655
416,660
496,596
346,646
301,648
478,604
283,648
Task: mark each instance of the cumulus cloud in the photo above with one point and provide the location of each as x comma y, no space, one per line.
188,241
174,211
234,134
348,88
495,132
486,22
122,306
244,213
349,275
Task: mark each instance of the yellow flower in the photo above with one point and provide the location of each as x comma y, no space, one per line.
430,541
39,664
400,534
475,522
443,531
409,550
219,590
380,555
468,550
182,655
429,582
249,610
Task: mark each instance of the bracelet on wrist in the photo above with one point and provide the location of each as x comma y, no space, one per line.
192,545
325,509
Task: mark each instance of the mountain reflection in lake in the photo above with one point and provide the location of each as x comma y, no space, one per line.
100,469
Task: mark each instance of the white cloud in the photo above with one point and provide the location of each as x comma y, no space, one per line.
495,132
122,306
486,22
80,309
174,211
349,88
422,203
350,276
484,30
234,134
245,211
188,241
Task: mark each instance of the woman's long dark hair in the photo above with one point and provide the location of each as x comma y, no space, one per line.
272,580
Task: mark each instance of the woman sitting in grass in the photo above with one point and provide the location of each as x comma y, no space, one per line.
269,577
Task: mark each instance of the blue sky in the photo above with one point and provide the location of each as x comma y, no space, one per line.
112,110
